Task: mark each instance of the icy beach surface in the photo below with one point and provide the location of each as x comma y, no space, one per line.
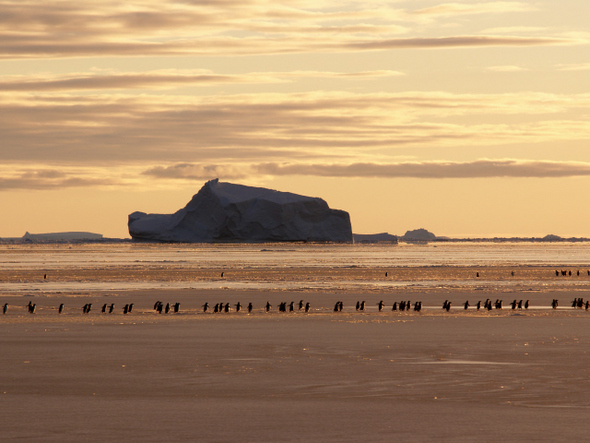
323,376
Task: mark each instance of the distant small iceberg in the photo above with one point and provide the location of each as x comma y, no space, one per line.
383,237
61,237
418,235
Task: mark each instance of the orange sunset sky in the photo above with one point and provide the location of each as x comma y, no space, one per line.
467,118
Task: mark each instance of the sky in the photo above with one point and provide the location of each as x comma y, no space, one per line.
466,118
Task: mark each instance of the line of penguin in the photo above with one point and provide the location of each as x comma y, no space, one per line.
566,273
488,305
159,307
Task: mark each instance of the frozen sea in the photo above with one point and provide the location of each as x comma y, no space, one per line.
431,376
276,267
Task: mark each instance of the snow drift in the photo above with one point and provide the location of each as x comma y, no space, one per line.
226,212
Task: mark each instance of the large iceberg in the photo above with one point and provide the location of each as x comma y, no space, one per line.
226,212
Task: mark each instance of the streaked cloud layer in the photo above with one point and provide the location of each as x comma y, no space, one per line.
334,126
429,170
164,79
150,94
66,28
38,179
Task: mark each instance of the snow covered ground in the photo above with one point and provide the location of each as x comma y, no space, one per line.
501,375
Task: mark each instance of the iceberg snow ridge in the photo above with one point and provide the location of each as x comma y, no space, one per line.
226,212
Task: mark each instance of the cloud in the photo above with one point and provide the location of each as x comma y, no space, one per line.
189,171
65,28
164,79
98,81
574,67
15,47
484,168
434,169
455,42
339,126
506,68
49,179
43,178
515,30
454,9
